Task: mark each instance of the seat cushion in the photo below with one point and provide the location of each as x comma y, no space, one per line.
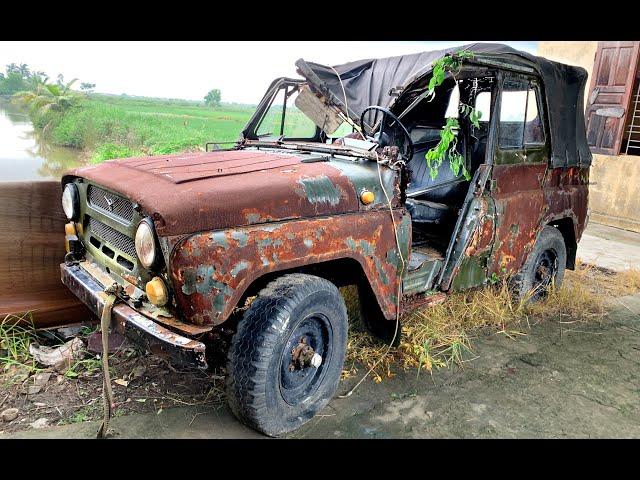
425,211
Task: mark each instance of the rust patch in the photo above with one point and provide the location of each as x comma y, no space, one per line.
566,193
529,197
520,207
482,238
211,271
185,193
411,302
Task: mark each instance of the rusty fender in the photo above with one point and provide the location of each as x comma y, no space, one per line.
523,209
567,195
212,270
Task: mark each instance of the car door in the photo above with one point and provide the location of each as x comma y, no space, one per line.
520,159
466,259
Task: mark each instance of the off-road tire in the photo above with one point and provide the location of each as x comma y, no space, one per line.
255,360
550,239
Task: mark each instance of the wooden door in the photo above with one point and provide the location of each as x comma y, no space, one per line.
612,79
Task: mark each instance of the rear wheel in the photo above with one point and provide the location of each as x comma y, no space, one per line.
287,355
544,266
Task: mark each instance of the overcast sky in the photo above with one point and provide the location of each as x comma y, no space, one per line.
241,70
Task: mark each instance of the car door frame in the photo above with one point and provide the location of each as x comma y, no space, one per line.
517,188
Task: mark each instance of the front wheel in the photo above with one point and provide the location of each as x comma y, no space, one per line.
285,360
544,266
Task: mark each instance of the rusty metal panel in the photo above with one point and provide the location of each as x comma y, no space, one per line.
185,193
520,207
467,265
212,270
566,192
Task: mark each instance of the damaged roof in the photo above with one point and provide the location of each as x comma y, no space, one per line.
371,82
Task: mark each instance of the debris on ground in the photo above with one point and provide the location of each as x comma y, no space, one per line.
39,392
40,423
72,331
94,342
60,357
9,414
39,382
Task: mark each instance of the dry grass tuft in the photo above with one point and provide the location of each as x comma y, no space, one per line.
16,333
439,336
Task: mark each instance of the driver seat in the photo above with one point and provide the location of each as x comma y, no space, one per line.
439,203
425,211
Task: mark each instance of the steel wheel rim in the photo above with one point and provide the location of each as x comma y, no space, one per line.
545,270
298,385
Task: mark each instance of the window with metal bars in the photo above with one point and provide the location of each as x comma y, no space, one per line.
631,139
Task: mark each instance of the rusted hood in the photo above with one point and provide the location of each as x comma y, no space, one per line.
186,193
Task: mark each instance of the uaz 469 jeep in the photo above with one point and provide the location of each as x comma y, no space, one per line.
328,186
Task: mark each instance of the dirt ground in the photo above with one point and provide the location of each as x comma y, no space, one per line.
558,380
141,383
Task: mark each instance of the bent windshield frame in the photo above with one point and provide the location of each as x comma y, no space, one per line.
270,121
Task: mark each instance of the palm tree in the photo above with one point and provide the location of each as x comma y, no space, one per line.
45,96
48,96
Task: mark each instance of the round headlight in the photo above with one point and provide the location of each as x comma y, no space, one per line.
145,243
70,201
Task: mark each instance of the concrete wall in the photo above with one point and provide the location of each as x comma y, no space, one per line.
614,196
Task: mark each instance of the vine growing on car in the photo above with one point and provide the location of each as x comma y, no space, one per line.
449,133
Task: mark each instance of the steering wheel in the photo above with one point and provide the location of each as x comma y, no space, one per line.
389,136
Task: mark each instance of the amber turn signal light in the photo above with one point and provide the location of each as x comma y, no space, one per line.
157,292
69,231
367,197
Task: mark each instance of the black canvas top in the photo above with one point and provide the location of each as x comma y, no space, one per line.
369,82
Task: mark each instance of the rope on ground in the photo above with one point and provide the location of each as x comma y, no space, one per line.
107,393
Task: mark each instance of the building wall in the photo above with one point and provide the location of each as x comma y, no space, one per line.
614,194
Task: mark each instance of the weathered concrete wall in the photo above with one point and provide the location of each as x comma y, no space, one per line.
615,191
31,250
614,196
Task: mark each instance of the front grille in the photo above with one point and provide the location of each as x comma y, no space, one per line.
111,203
112,237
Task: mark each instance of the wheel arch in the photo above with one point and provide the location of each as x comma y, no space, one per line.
341,272
567,228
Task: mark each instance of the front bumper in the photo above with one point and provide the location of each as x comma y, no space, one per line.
159,340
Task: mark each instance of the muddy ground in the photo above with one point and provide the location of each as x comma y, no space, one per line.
558,380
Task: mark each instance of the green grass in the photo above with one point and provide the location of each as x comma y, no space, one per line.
109,127
16,363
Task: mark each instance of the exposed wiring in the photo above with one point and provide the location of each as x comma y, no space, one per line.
399,293
346,105
402,260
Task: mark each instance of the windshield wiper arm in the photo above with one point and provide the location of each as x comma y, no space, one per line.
315,147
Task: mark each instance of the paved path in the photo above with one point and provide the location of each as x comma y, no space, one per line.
610,247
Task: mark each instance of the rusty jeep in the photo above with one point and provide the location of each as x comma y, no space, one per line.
328,186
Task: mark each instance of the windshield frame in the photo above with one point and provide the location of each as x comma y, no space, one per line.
249,132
